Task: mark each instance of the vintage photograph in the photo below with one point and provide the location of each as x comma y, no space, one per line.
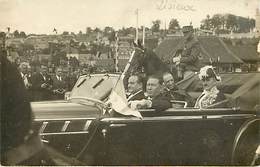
130,83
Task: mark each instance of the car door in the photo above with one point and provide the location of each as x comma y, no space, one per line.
66,127
173,137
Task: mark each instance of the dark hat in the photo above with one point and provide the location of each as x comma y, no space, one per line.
187,29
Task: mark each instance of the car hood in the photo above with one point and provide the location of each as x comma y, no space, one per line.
46,110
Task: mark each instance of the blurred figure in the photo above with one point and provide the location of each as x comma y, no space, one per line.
59,85
135,88
20,145
23,68
211,96
72,78
42,85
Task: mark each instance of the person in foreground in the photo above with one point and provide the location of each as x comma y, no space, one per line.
211,97
20,144
155,96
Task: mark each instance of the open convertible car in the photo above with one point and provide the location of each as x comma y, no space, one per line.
82,128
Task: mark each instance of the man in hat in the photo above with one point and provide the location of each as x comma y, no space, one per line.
211,97
187,61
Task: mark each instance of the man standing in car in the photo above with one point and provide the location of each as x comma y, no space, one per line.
189,59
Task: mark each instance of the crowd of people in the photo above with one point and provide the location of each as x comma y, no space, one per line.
43,85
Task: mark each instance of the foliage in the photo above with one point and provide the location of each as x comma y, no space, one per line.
228,22
22,34
174,24
65,33
16,34
156,26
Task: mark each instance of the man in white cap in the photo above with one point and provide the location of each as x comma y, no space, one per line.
211,97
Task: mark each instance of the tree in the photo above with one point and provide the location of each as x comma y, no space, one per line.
156,25
88,30
108,30
252,23
65,33
16,34
96,30
2,34
206,23
22,34
174,24
80,32
216,21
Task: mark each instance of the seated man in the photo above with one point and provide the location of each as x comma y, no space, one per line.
135,88
173,91
155,98
211,96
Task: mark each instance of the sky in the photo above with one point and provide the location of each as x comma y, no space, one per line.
41,16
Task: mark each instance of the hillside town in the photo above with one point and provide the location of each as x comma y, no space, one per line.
168,94
234,44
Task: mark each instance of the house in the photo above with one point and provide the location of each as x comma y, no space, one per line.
213,51
246,50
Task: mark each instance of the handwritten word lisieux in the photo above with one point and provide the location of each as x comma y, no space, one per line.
173,5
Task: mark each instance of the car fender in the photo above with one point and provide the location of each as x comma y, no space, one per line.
246,142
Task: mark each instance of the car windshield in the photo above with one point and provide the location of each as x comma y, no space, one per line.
96,86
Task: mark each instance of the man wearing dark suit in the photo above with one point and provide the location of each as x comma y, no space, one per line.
59,85
174,92
23,68
135,88
155,97
42,85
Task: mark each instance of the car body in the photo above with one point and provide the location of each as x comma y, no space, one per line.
81,128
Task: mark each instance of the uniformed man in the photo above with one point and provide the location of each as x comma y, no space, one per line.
211,96
187,57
